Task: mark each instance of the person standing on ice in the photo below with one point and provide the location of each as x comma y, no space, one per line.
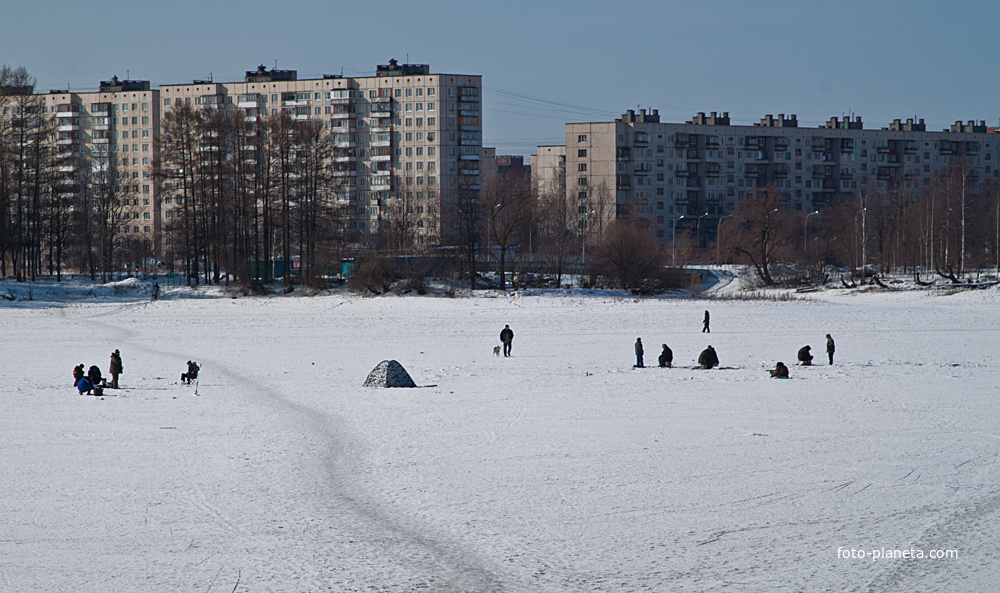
705,328
708,358
506,337
666,357
115,368
638,353
77,373
805,357
830,347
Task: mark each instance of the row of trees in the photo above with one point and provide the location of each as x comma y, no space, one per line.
248,192
948,227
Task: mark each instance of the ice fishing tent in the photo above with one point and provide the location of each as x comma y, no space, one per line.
389,373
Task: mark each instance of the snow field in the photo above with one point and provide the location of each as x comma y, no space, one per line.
558,469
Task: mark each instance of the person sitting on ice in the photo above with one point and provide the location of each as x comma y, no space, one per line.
805,358
780,371
708,359
191,374
666,357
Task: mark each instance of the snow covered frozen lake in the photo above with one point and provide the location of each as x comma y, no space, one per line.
560,469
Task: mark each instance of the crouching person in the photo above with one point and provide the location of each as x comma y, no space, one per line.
780,371
708,359
666,357
805,357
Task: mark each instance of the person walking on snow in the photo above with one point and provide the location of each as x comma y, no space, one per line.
506,337
115,368
638,353
666,357
830,347
705,329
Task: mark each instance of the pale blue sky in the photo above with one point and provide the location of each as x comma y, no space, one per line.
546,63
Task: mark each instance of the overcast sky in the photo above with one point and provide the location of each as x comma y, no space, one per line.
545,63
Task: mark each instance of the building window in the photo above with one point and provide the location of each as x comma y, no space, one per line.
581,138
581,167
581,153
581,181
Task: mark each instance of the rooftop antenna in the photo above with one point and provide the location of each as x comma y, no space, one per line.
127,76
276,63
407,57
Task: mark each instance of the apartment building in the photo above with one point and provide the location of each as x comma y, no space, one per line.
111,132
405,138
637,166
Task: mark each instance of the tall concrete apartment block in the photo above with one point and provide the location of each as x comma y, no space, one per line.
403,135
116,128
637,166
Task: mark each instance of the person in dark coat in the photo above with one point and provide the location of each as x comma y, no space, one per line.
506,337
115,368
77,373
805,357
156,291
705,328
708,358
638,353
192,372
780,371
830,347
94,375
666,357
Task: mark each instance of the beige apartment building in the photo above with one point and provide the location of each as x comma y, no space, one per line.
404,138
637,166
111,132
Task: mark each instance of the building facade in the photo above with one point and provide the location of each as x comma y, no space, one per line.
404,138
637,166
111,137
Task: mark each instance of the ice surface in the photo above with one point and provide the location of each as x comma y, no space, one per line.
559,469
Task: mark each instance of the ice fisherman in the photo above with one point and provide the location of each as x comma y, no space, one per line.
705,328
708,358
780,371
805,357
638,353
115,368
666,357
192,372
77,373
94,375
830,347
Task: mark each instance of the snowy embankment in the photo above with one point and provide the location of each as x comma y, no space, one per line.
559,469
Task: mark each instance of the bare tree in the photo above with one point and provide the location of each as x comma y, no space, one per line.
759,230
508,206
629,253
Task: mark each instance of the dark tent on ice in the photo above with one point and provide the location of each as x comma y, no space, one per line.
389,373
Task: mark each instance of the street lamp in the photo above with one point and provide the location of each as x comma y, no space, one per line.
697,228
718,229
583,253
673,243
805,232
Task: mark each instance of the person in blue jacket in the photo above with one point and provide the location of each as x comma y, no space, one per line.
84,386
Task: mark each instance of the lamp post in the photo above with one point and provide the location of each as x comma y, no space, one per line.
805,232
583,253
673,243
718,229
697,228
